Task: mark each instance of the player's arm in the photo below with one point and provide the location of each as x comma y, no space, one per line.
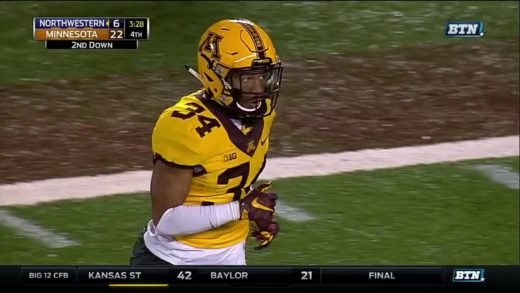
169,188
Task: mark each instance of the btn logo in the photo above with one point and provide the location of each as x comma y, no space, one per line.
468,29
465,275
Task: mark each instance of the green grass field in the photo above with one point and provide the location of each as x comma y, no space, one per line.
429,214
298,29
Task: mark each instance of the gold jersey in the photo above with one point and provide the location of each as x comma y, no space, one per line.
196,133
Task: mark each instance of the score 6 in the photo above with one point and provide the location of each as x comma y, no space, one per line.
116,23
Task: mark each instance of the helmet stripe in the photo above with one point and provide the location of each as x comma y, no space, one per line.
257,40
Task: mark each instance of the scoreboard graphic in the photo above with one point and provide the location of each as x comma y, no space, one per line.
396,277
91,33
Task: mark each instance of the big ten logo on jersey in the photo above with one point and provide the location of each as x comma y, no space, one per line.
229,157
194,109
465,29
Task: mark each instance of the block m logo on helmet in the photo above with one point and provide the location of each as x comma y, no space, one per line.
211,45
465,29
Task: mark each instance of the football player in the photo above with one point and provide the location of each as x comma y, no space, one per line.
209,150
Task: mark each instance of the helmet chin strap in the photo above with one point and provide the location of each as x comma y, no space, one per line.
249,110
193,72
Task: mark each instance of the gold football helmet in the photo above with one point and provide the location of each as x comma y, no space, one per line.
239,68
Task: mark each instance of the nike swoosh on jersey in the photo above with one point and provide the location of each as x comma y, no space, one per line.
263,141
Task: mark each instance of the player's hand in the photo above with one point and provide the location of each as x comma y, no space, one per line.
258,205
265,233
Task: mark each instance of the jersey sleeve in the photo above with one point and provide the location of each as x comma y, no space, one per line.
175,141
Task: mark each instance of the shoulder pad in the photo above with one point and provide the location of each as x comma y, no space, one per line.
174,136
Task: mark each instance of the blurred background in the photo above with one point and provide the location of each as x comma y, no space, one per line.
357,75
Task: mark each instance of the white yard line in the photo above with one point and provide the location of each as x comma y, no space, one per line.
290,213
372,159
501,175
29,193
356,231
38,233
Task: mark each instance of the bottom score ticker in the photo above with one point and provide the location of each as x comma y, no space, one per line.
91,45
268,276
